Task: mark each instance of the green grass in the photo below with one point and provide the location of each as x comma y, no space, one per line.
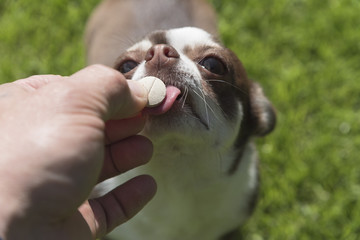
305,53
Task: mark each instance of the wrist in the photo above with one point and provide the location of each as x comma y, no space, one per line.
6,215
18,229
12,204
16,223
41,228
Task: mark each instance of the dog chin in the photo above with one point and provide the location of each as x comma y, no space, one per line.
178,120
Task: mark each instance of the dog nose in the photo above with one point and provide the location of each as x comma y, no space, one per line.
161,54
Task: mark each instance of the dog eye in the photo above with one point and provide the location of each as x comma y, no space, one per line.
213,65
127,66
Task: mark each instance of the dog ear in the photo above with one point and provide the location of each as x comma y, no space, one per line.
263,116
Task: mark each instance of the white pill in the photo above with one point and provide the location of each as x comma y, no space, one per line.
156,90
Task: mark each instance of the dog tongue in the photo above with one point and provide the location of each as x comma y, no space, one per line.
171,94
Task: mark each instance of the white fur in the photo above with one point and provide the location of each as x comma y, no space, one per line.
144,45
179,38
196,197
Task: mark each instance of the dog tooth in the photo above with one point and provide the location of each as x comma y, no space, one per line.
156,90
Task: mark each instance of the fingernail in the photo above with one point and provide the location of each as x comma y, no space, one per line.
138,89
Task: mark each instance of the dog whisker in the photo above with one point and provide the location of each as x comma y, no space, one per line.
225,82
207,105
123,40
184,97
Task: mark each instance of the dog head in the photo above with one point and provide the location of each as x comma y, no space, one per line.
208,92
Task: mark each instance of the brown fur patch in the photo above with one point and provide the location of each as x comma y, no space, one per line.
158,37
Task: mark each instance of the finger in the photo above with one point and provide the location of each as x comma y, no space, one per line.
125,155
119,205
116,130
122,98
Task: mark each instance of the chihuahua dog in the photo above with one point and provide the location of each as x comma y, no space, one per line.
205,162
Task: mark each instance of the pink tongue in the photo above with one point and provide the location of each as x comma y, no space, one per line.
171,94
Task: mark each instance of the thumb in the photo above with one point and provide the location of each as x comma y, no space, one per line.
122,98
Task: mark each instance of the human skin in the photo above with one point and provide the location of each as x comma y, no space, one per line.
60,136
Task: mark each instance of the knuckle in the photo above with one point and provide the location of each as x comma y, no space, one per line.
107,73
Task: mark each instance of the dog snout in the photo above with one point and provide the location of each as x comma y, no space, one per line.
161,54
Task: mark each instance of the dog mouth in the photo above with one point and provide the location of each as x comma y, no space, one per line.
178,100
173,94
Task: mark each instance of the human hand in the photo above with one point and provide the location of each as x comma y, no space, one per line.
59,137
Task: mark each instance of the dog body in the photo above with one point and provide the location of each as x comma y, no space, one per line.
204,161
